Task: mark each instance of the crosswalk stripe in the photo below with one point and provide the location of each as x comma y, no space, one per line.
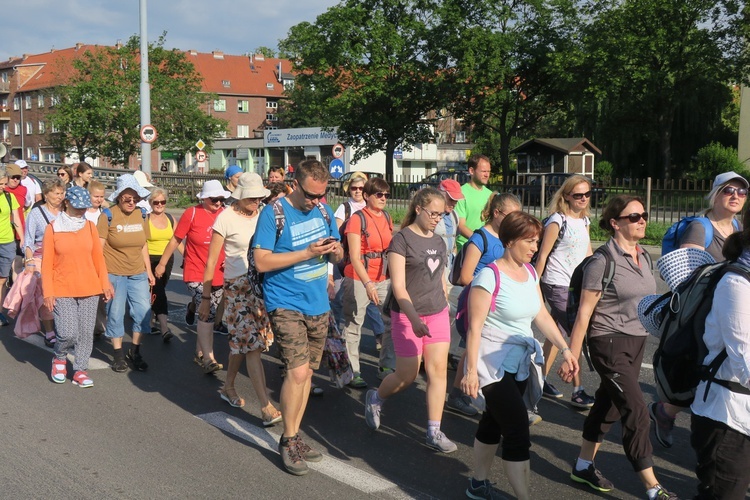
335,469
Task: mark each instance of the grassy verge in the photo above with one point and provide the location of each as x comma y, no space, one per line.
654,232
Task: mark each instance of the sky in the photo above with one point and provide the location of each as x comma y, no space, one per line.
232,26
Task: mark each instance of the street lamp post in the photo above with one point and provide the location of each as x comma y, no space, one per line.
145,90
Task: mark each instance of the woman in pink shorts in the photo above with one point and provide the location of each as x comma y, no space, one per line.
419,314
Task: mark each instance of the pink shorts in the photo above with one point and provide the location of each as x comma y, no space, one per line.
408,345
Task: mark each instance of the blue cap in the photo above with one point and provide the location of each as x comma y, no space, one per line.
78,197
232,170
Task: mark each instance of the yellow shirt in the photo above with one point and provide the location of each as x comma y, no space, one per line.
159,238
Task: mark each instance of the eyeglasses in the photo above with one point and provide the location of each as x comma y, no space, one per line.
15,177
634,217
130,200
382,194
356,188
310,196
432,215
730,190
158,202
218,199
580,196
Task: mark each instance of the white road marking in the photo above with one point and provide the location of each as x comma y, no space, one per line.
335,469
176,275
37,340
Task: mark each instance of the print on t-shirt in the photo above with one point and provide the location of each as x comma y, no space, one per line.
303,234
433,261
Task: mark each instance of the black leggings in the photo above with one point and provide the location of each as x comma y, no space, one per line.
505,416
160,305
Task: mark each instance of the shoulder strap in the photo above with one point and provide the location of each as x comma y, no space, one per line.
170,219
347,210
323,211
363,223
495,270
531,270
708,229
108,213
484,241
609,266
278,216
46,219
10,202
390,221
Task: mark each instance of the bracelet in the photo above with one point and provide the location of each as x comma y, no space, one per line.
564,349
368,283
28,259
30,265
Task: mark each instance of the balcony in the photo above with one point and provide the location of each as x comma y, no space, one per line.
4,114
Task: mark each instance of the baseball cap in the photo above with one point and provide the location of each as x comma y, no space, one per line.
723,179
22,163
453,188
12,170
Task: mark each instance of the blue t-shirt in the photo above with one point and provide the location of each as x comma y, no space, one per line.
495,251
301,287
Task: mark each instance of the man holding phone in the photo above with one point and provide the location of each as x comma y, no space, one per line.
295,263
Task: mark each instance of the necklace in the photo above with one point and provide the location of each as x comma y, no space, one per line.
242,212
723,231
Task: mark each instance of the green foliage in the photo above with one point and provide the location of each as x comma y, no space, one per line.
654,232
99,112
266,51
603,171
714,159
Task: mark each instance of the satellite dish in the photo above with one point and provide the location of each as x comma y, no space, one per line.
3,150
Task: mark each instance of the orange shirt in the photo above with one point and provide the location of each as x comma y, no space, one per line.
377,239
73,263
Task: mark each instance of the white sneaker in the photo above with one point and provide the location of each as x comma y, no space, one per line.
441,443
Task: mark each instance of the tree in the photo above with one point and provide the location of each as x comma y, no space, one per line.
363,67
266,51
98,110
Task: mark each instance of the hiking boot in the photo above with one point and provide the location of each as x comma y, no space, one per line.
440,442
485,490
663,425
291,457
308,454
138,364
550,391
384,372
372,410
592,477
119,365
358,382
580,399
534,417
461,404
662,494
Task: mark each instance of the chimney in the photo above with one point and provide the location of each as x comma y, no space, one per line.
118,44
79,45
260,57
193,52
218,54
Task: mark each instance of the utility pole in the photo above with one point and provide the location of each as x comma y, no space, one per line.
743,146
145,91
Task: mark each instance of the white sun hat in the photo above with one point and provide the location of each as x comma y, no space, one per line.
675,267
650,312
213,189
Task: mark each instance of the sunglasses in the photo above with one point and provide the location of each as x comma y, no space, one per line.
356,188
15,177
62,174
159,202
217,199
730,190
310,196
382,194
130,200
634,217
580,196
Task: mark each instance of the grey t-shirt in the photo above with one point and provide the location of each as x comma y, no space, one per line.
695,234
425,263
617,309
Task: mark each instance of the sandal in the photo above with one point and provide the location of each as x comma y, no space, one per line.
81,379
211,367
59,370
271,417
229,394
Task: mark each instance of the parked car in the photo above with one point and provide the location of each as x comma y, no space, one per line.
336,186
462,176
530,191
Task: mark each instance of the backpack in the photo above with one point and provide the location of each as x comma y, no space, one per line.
256,278
108,213
560,236
462,306
365,234
678,361
676,231
455,274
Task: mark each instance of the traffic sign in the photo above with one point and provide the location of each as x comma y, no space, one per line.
336,168
200,144
337,150
148,134
200,156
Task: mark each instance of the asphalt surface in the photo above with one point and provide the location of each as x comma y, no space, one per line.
165,433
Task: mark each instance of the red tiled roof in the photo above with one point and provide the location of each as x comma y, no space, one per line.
50,67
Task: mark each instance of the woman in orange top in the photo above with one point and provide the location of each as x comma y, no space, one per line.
73,277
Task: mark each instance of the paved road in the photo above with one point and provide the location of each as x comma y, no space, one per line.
166,434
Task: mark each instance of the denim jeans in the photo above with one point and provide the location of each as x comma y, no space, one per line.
133,290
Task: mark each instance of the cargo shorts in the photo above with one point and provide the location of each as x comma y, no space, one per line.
300,338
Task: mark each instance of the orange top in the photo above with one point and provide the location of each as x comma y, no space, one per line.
73,263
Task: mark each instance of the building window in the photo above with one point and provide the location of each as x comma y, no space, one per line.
30,153
243,131
40,101
4,130
271,117
4,103
4,77
16,103
243,106
53,101
28,102
42,127
226,83
271,128
220,105
269,86
272,104
54,129
460,136
29,128
17,128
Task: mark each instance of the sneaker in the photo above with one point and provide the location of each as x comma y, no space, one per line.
3,320
550,391
167,336
384,372
59,370
461,404
308,454
119,365
580,399
378,342
291,457
592,477
534,417
663,425
81,379
485,490
372,410
358,382
440,442
190,313
138,364
221,329
662,494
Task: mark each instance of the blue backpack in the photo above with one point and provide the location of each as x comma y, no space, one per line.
676,231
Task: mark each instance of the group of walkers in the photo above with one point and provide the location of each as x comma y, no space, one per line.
270,262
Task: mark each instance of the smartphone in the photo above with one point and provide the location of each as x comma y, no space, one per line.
328,241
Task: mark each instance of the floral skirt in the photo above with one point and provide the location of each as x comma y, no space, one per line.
246,318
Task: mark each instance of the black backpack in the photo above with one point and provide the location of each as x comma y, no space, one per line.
678,361
455,275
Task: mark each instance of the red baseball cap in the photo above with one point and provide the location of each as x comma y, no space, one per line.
453,188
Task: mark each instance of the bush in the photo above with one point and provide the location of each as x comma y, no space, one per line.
654,232
603,171
714,159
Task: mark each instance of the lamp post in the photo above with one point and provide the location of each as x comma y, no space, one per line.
145,90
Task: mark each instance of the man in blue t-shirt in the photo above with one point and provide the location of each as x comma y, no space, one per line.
294,287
